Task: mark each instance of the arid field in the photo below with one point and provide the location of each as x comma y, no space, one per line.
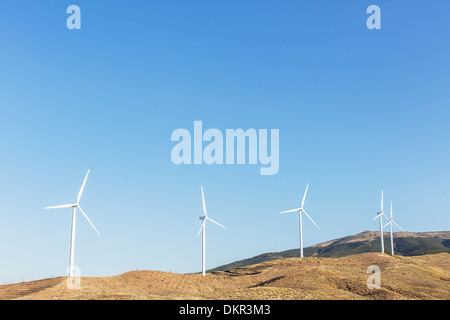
419,277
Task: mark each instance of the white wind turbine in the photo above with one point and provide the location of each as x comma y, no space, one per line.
202,228
390,223
300,211
74,207
380,216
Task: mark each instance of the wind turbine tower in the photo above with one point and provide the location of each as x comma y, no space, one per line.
74,207
300,212
390,223
380,216
203,230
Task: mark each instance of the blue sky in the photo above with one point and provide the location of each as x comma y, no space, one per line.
358,111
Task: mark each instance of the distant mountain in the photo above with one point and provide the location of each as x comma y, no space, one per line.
405,244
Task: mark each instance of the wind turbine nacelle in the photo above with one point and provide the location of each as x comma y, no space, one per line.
202,218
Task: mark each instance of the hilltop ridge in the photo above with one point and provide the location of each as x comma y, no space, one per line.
405,244
419,277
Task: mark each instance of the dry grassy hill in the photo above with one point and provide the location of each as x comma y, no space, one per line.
405,244
420,277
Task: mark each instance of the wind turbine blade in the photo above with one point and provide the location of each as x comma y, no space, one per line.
59,207
378,215
398,226
311,219
385,216
203,199
216,222
293,210
88,220
381,200
387,224
203,223
82,187
391,210
304,196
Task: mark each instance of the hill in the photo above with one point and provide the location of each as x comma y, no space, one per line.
405,244
418,277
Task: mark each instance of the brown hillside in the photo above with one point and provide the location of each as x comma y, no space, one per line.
421,277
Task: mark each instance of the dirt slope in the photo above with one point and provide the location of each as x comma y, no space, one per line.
421,277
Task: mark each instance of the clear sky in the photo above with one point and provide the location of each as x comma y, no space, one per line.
358,111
